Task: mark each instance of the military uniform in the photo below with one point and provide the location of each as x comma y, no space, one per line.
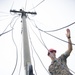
59,67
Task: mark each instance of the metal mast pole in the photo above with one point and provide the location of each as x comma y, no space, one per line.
27,60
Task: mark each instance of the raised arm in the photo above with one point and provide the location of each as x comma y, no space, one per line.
68,35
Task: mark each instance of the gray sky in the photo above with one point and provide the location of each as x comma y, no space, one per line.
51,15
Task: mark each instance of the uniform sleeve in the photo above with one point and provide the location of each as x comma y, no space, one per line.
65,55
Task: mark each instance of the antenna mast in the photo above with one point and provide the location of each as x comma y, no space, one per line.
27,59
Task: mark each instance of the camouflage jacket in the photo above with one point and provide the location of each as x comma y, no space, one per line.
59,67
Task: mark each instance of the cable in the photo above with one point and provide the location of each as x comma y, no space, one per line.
12,5
36,52
38,56
11,8
6,28
6,32
16,48
42,42
63,66
71,71
56,38
51,34
63,41
54,29
13,40
25,4
10,23
21,60
58,28
37,4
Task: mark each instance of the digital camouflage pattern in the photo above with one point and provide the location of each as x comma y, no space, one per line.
59,67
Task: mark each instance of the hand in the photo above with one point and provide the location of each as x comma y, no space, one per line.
68,33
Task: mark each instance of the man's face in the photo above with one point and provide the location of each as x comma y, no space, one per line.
52,54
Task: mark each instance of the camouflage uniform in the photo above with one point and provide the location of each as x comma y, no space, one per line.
59,67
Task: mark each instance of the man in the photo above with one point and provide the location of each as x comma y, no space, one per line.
58,65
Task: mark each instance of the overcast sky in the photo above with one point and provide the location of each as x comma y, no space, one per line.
51,15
